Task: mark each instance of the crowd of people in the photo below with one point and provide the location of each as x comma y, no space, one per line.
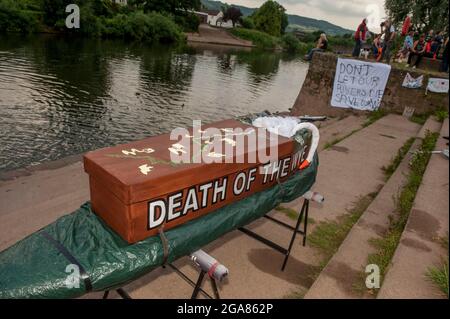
415,46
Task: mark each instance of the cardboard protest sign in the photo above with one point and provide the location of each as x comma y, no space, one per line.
359,85
412,83
437,85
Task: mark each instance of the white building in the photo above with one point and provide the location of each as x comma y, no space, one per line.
215,18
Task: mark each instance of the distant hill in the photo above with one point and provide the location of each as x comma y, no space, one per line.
295,21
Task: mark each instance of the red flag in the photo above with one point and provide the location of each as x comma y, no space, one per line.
406,25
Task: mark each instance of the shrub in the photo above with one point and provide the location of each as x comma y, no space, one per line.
290,43
189,22
14,19
152,27
247,23
260,39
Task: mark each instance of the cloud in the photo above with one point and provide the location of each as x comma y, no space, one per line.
347,13
349,8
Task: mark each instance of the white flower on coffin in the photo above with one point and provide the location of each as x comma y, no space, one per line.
134,151
177,149
214,154
145,169
226,130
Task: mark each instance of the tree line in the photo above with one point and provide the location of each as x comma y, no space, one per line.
144,20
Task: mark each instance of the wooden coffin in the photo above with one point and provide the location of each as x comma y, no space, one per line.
137,188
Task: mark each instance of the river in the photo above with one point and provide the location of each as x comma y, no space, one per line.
65,96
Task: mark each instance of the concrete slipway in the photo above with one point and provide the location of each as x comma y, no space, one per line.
348,170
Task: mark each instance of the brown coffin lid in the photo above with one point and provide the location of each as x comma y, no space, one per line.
123,177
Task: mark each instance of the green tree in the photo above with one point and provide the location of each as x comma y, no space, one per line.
270,18
232,13
284,22
14,19
426,14
54,10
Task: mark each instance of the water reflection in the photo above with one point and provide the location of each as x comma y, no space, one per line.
63,96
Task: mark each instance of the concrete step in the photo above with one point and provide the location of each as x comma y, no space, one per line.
339,128
431,125
420,245
343,276
352,168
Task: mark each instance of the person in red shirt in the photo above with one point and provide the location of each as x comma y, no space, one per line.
360,37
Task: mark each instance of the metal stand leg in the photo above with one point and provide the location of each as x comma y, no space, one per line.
303,215
294,233
198,285
214,287
305,223
120,291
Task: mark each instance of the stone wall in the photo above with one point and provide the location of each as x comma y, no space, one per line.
315,95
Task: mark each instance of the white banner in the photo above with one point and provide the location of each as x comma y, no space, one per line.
359,84
437,85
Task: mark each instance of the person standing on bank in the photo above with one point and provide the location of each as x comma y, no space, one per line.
360,37
389,35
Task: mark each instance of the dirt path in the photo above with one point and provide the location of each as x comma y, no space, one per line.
211,35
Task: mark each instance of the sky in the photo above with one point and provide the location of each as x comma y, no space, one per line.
344,13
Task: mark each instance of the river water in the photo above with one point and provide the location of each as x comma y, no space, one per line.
65,96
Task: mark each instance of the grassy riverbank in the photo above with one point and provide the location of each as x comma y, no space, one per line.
287,42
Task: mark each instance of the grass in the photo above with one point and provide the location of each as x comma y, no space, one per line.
439,276
339,139
327,236
297,294
374,116
292,213
419,118
444,241
440,114
395,162
386,246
